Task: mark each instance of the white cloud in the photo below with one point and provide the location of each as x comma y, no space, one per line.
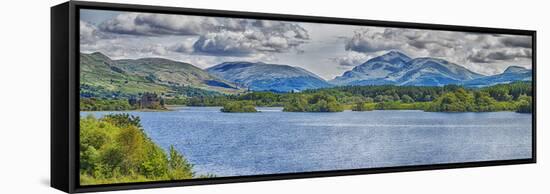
351,59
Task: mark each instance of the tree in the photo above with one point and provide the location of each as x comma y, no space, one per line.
296,104
484,102
427,98
180,167
114,149
123,120
500,94
362,106
131,147
318,102
239,106
396,97
525,104
458,101
383,98
406,99
369,100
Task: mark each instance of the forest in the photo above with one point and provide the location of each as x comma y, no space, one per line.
451,98
515,96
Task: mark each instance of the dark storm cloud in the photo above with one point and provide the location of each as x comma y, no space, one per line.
185,46
90,34
225,44
367,40
279,28
427,41
523,42
261,36
241,44
156,24
487,56
371,41
347,62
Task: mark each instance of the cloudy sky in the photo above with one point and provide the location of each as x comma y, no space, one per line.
327,50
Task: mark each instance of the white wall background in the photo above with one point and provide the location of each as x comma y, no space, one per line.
24,80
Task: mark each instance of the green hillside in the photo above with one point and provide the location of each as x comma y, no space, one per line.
101,76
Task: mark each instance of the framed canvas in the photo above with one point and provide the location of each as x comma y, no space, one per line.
148,96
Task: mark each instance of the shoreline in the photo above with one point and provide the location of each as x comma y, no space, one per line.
171,108
130,110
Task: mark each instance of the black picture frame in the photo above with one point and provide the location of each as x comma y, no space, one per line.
65,110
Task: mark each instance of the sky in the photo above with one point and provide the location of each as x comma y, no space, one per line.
327,50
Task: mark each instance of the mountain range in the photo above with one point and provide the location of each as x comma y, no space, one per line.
133,76
268,77
511,74
396,68
168,76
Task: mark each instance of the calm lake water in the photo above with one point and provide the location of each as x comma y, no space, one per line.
232,144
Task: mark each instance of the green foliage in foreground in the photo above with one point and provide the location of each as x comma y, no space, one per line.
114,149
239,106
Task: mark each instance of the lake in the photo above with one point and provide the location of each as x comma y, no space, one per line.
272,141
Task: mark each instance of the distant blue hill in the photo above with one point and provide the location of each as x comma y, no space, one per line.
511,74
396,68
375,71
392,68
267,77
433,72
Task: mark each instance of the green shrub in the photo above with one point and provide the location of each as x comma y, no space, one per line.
525,104
114,149
239,106
93,104
319,102
363,106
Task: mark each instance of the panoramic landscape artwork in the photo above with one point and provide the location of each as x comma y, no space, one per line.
167,97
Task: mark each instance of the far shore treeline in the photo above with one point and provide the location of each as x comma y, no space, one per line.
451,98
